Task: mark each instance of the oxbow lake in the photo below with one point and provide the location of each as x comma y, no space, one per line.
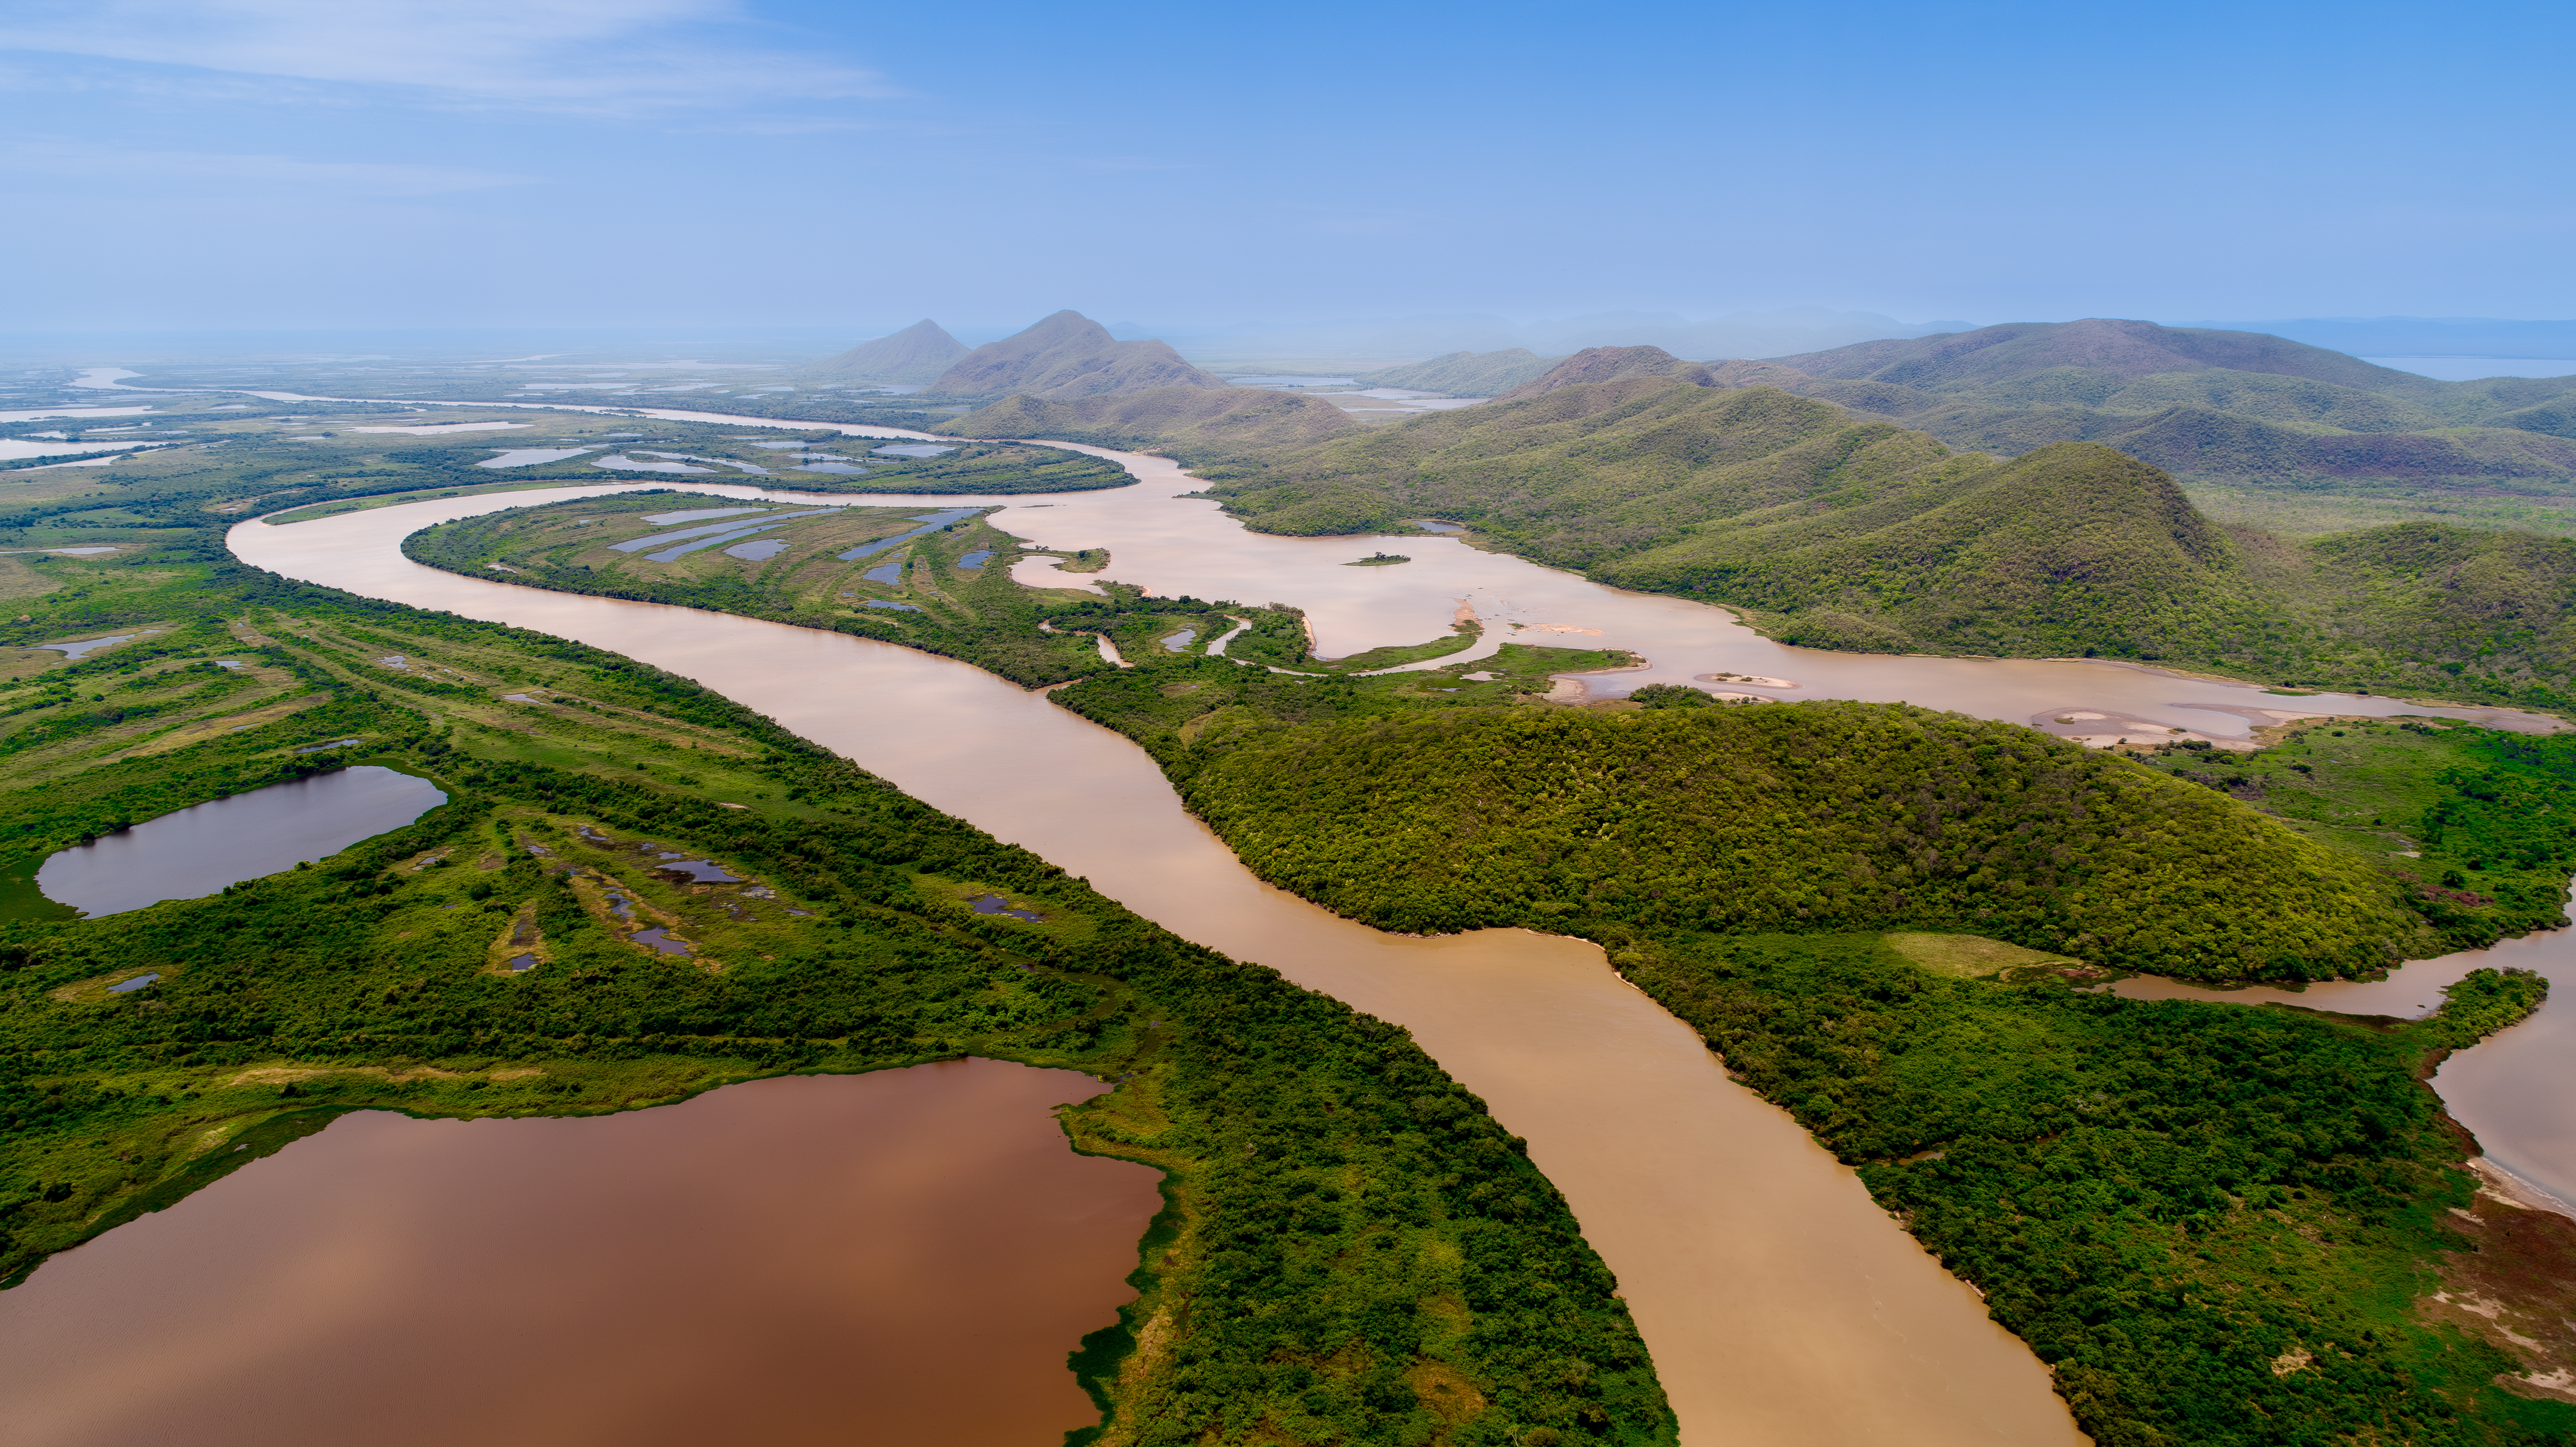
199,850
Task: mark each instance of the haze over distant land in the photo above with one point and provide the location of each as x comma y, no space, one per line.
917,354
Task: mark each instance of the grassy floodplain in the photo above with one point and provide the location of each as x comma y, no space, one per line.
1352,1250
2218,1224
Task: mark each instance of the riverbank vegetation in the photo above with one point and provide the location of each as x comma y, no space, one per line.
1887,920
208,459
1837,530
2216,1223
1355,1251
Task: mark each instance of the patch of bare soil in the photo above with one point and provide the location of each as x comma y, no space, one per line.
2516,1287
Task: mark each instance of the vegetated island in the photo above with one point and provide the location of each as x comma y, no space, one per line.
2218,1224
1352,1250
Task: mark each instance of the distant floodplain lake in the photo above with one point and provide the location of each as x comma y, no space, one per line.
902,1257
199,850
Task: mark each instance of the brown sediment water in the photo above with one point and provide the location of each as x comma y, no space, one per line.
1781,1304
2516,1091
899,1257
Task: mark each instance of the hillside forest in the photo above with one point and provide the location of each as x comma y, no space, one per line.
1894,923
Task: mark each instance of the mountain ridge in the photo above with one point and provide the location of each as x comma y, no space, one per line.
1068,355
1839,530
915,355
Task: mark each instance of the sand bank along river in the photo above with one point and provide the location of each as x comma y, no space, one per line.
900,1257
1781,1305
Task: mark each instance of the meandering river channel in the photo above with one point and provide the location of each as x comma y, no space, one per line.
1782,1306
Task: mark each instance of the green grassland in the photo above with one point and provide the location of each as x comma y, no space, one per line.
1354,1251
1836,532
215,463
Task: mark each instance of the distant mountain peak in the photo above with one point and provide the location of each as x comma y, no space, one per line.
1068,355
1605,364
909,357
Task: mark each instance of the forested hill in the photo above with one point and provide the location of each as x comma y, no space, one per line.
1837,530
2239,408
2175,1204
1797,817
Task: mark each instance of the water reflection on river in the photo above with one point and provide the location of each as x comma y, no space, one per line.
899,1257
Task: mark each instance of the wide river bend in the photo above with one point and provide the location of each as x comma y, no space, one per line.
1782,1306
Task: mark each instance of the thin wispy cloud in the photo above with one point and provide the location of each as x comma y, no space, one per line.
35,160
620,56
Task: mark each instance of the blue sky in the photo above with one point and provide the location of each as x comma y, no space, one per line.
337,163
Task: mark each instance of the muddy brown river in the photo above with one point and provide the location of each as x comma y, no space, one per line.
901,1257
1782,1306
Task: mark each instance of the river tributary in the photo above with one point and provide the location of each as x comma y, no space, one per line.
1781,1304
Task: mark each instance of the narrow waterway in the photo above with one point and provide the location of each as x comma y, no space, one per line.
2512,1091
903,1257
1782,1305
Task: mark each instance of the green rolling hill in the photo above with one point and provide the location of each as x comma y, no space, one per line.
2273,429
1836,529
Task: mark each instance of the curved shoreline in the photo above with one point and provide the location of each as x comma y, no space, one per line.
1782,1305
1671,1289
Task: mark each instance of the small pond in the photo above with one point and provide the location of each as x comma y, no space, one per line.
759,552
1175,642
86,645
976,559
529,456
199,850
931,522
698,515
620,462
911,449
886,573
